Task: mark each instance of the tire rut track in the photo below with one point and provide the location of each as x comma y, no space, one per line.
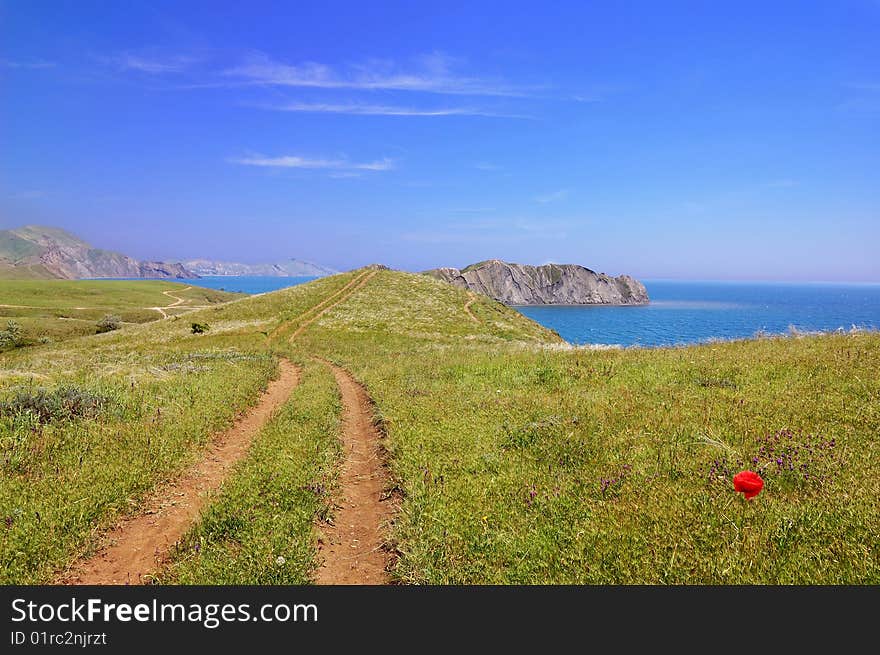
353,545
287,324
363,281
139,544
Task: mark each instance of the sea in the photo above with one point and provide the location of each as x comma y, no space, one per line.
680,312
248,283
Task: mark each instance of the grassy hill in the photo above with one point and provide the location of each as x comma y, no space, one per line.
15,248
24,272
61,309
19,258
21,250
518,458
43,235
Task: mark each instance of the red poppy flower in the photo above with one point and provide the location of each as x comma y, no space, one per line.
748,483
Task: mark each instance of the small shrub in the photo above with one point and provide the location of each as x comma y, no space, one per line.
546,376
11,336
62,403
109,323
200,328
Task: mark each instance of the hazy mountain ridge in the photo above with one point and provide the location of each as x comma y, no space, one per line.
289,268
550,284
49,252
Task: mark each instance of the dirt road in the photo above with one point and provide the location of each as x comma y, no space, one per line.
139,544
352,547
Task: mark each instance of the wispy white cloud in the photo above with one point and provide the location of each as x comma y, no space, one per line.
153,65
30,64
597,93
553,196
294,161
429,74
385,110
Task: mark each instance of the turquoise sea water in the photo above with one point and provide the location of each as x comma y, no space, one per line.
680,312
693,312
248,284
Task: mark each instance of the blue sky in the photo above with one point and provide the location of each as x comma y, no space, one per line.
700,140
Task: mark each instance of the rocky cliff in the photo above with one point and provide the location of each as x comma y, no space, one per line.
52,252
551,284
165,269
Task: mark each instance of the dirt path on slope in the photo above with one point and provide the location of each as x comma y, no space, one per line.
352,547
274,334
139,544
362,282
467,307
178,301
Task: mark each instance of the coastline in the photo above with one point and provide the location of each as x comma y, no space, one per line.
792,333
585,304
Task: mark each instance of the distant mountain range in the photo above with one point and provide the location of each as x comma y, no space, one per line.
289,268
36,251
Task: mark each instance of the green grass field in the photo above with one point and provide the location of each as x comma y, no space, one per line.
519,459
60,309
